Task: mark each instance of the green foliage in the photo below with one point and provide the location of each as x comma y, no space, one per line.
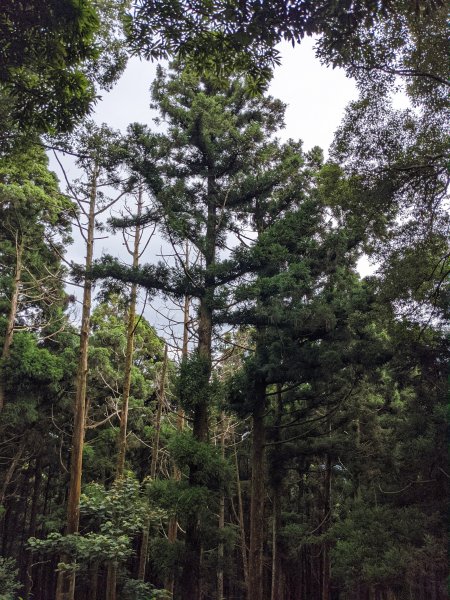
116,514
54,54
106,376
192,383
210,469
367,38
9,586
380,545
134,589
34,227
83,549
30,364
166,557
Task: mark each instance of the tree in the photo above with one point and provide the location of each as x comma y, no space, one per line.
37,340
227,37
299,301
216,161
98,149
35,227
53,57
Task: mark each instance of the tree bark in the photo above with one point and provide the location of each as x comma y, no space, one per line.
12,315
66,580
277,583
122,443
111,577
191,576
111,581
155,447
93,570
172,528
10,472
220,550
241,524
143,551
153,465
326,563
32,525
255,570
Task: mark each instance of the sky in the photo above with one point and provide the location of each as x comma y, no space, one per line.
316,97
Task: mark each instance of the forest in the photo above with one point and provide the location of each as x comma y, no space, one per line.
241,414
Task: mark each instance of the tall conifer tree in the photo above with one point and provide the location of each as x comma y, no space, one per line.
218,162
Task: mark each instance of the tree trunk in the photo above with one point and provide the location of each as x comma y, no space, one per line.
255,571
276,591
190,581
173,523
220,550
32,525
111,581
122,443
111,577
277,583
326,563
155,448
10,472
191,576
143,550
93,581
66,579
241,524
153,465
12,315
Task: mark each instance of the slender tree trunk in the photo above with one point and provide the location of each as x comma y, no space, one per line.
32,525
66,580
255,570
12,314
277,583
241,524
111,577
10,472
326,563
111,581
358,446
122,443
257,497
185,347
173,523
23,493
42,569
143,550
191,576
220,550
153,465
276,591
93,581
155,448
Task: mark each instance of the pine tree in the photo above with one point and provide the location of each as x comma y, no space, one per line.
217,161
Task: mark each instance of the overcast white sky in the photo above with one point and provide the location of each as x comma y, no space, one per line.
316,95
